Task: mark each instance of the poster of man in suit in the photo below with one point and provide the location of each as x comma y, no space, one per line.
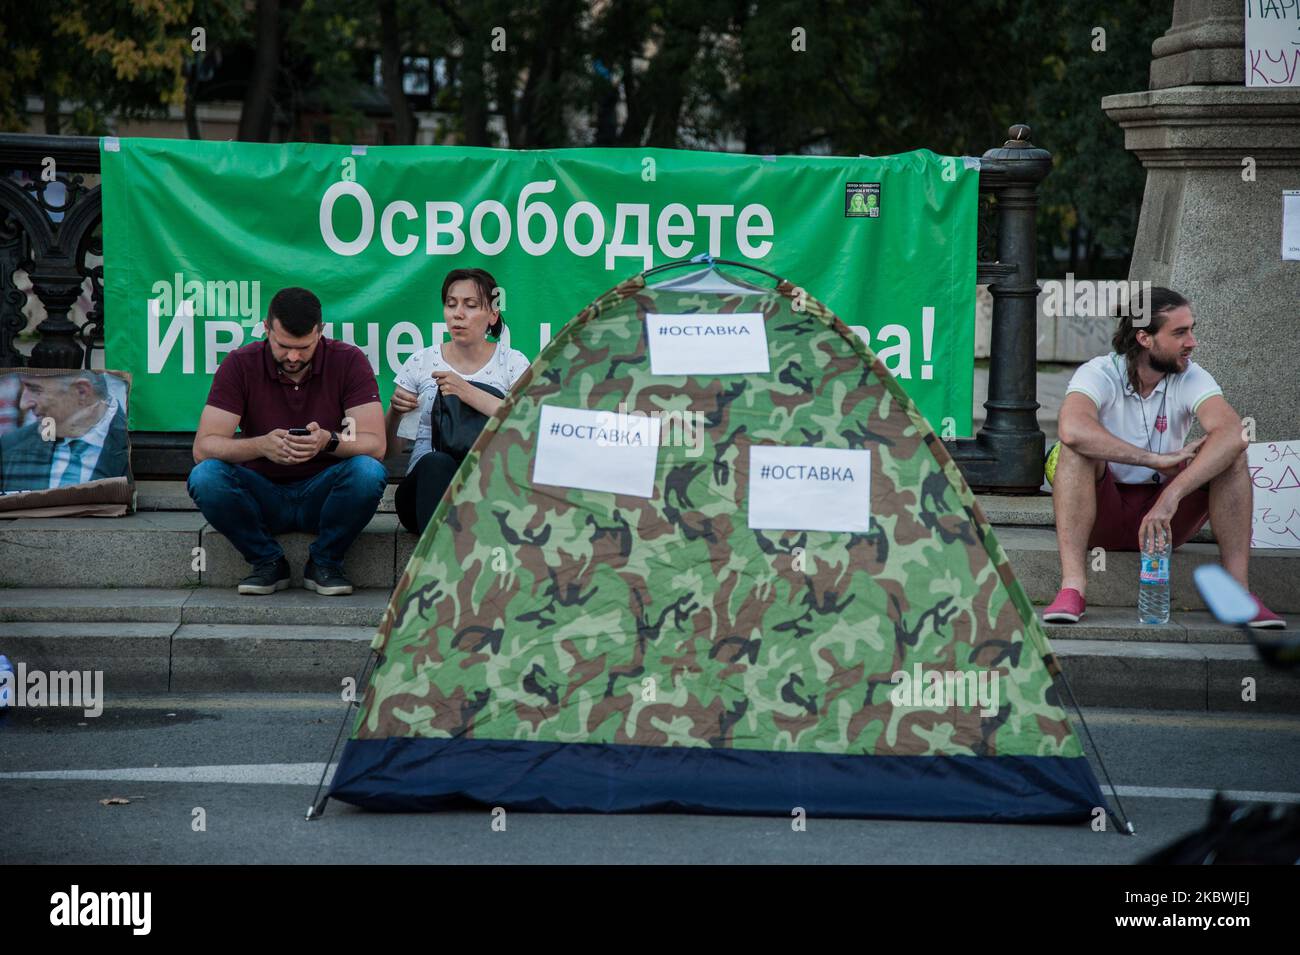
61,429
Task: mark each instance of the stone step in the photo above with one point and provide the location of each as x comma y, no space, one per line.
1274,573
139,550
199,641
370,561
1006,510
201,605
1000,509
1173,676
1187,626
171,549
172,496
1033,510
132,656
365,608
179,549
196,657
241,657
200,658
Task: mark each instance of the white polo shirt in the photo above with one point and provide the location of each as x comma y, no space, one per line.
1141,421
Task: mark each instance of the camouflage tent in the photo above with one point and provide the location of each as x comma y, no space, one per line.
558,649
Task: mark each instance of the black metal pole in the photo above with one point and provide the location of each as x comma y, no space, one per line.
1006,455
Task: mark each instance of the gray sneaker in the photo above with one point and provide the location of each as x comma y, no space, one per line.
266,578
326,581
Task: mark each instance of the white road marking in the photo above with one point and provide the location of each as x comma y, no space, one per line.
278,774
308,774
1168,792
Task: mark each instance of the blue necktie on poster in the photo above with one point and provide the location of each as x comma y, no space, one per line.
72,473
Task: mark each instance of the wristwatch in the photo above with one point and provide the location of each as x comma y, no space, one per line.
334,442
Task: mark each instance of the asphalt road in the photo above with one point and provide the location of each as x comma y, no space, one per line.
261,751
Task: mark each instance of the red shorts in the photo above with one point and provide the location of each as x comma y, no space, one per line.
1121,507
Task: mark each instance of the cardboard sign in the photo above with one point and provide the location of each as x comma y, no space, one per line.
697,344
64,446
1275,473
810,489
596,451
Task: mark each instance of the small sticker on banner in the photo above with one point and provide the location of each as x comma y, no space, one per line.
809,489
358,150
862,200
707,344
596,451
111,144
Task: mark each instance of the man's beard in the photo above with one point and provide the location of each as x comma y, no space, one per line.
1163,365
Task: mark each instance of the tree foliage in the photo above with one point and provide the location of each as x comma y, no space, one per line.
764,76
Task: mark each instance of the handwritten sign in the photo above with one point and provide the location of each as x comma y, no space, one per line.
1273,42
1275,472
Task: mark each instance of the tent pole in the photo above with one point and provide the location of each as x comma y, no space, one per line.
318,802
1122,820
706,259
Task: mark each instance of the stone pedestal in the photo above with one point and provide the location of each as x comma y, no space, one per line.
1204,229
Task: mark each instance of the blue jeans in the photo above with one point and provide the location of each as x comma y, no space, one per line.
250,509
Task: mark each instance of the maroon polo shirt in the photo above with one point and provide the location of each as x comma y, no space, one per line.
248,383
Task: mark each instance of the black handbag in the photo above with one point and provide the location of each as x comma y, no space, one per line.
455,425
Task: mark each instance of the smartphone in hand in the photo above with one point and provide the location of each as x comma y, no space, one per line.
299,432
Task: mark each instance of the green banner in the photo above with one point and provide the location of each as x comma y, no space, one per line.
198,236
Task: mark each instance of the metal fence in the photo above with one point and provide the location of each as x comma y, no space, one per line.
50,229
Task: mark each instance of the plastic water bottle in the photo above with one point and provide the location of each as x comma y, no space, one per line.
1153,586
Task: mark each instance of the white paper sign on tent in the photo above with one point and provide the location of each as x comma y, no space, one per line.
700,344
809,489
1275,472
596,450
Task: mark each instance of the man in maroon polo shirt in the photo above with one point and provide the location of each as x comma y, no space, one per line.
268,480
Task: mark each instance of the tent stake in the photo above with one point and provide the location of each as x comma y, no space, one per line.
1121,821
317,807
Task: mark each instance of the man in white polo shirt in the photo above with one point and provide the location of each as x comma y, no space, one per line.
1124,478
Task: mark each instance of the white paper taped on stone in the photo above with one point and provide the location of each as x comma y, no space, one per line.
596,450
1275,474
1291,225
1271,34
707,344
809,489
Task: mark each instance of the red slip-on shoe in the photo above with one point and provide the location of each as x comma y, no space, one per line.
1265,619
1068,607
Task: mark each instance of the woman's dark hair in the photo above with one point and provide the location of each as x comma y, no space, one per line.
487,287
295,310
1150,316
